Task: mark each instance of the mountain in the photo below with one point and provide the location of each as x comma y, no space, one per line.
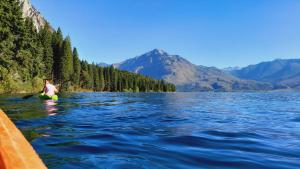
186,76
229,69
102,64
283,72
29,11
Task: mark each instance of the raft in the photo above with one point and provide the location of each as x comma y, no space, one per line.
15,151
43,96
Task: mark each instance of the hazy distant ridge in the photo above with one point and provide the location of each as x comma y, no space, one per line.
284,72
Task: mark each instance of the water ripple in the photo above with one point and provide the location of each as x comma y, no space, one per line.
162,130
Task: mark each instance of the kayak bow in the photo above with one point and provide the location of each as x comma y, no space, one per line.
15,151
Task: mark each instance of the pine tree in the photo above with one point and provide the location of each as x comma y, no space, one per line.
96,79
10,20
125,84
12,23
101,79
91,76
7,43
111,77
135,85
46,41
66,64
84,75
107,79
120,87
57,41
115,80
30,52
76,68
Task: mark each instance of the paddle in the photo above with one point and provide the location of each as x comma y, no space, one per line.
29,96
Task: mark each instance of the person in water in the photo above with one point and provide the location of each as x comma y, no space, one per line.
49,89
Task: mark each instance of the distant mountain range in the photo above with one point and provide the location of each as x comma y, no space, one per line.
229,69
280,72
187,76
102,64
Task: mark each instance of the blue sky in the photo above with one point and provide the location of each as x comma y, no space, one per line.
217,33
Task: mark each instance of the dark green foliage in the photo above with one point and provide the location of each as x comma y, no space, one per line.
20,50
77,68
57,41
91,82
84,75
46,41
96,78
66,64
27,56
124,81
101,79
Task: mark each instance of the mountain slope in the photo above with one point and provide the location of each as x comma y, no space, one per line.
29,11
280,72
185,75
159,64
102,64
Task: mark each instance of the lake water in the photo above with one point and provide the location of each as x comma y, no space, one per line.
162,130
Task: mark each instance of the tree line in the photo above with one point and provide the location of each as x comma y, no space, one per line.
27,56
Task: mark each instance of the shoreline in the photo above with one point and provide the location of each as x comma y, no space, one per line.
246,91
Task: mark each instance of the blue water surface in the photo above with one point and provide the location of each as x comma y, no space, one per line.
162,130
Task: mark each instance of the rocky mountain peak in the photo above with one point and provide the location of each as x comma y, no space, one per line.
186,76
157,52
29,11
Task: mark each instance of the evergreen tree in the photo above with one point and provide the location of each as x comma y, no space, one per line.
125,84
84,76
115,81
10,25
96,79
66,64
29,56
120,87
111,76
46,40
135,85
107,79
76,68
91,77
57,41
101,80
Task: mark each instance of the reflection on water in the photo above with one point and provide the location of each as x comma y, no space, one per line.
50,107
162,130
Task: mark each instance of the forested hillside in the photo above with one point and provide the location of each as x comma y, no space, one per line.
28,56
